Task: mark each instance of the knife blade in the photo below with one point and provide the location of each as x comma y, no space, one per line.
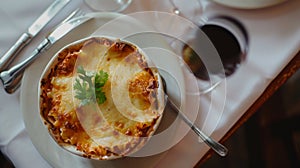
10,76
32,31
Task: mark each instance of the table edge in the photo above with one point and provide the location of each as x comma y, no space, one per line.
280,79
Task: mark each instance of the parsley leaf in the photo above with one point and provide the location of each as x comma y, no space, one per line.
89,88
100,80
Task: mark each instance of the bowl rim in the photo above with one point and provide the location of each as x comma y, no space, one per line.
71,148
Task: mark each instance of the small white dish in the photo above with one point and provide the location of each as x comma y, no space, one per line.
249,4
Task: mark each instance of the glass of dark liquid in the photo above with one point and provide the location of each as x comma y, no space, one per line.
215,51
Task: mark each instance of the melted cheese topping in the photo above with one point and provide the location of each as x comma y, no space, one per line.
119,126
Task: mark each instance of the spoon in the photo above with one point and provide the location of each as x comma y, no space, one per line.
216,146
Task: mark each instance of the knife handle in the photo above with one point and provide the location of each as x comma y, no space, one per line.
8,57
10,76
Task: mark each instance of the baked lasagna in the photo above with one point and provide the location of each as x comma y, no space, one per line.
130,102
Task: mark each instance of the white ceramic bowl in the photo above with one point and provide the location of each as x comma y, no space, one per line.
72,147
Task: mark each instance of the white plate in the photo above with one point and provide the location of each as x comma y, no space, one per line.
249,4
38,133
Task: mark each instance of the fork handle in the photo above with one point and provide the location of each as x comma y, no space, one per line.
9,76
8,57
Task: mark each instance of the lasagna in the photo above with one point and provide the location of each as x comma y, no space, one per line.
130,112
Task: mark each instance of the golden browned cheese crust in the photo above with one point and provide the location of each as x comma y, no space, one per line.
66,123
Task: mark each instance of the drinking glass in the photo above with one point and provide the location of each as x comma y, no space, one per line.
192,10
108,5
213,49
230,47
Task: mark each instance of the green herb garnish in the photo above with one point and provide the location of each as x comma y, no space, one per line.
90,89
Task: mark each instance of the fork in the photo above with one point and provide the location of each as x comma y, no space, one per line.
77,12
17,81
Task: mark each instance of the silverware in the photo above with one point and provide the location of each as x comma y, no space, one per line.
216,146
32,31
10,76
17,81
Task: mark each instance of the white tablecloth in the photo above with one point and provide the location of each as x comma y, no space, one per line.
274,40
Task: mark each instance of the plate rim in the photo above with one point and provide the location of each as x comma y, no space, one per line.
244,5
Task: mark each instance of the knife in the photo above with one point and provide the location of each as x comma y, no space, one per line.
9,77
32,31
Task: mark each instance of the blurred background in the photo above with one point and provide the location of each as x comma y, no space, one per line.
270,138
